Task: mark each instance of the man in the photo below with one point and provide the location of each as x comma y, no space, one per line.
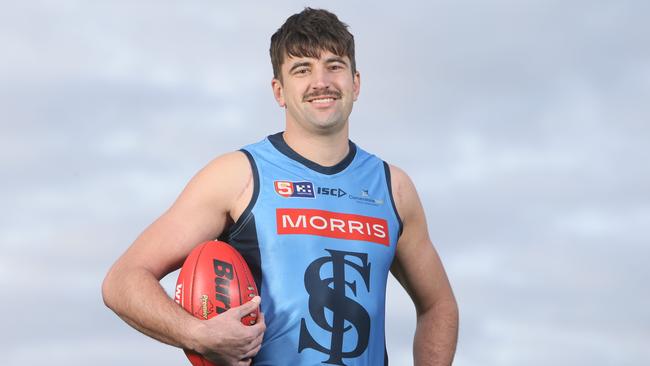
319,221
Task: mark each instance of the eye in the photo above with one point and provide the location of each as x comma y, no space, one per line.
301,71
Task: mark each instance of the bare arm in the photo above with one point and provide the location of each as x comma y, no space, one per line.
419,269
132,289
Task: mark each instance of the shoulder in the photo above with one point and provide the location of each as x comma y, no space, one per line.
227,168
235,162
403,191
223,179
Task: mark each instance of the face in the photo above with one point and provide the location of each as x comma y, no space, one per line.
317,93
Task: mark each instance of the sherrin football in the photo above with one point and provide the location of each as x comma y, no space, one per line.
214,278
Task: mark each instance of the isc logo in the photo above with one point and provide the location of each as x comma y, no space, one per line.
294,189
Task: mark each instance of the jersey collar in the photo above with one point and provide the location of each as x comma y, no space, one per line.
277,140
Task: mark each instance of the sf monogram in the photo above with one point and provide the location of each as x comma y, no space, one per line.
330,293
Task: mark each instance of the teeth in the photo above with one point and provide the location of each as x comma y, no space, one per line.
326,100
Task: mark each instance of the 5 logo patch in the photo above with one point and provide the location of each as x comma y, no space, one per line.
294,189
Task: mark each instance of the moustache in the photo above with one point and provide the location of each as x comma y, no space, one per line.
320,94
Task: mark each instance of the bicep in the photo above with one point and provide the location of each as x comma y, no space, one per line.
416,265
200,213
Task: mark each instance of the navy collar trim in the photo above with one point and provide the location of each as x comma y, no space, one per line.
277,140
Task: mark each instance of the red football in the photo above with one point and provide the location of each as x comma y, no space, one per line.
213,279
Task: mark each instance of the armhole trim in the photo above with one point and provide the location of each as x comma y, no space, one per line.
245,216
392,200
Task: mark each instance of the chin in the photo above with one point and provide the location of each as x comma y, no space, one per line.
328,121
327,127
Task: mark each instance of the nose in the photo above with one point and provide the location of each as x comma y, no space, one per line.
320,78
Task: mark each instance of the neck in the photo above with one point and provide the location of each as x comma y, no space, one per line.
325,150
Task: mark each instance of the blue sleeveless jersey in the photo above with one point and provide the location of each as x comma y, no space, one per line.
320,242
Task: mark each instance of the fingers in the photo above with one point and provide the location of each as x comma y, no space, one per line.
252,353
257,329
257,345
247,308
260,317
240,343
259,321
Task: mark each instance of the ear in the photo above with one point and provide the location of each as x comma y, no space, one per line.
278,92
356,81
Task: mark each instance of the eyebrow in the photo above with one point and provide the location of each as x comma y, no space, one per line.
335,59
299,64
327,61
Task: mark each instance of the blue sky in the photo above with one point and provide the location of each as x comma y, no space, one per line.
524,125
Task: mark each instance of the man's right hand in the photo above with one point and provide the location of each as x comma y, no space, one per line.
225,341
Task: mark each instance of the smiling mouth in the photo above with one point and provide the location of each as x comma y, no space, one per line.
322,100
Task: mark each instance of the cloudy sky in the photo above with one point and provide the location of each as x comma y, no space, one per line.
524,125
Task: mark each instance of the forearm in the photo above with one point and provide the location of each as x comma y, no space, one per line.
436,335
137,297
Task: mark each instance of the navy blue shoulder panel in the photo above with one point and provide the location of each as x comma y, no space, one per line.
392,200
242,235
256,192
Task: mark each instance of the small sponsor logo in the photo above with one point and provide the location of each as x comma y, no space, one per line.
294,189
206,307
364,197
335,192
179,293
332,225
